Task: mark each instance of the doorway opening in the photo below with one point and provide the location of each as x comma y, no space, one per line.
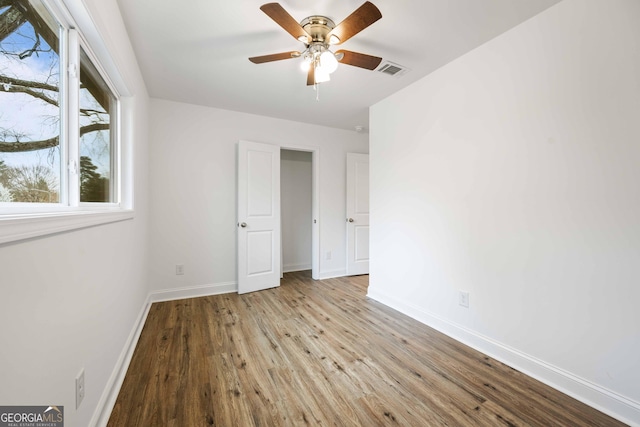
299,211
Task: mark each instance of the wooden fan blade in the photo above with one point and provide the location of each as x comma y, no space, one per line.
274,57
360,19
311,76
286,21
359,59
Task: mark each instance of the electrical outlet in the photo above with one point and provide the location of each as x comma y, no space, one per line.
79,388
327,255
463,299
179,269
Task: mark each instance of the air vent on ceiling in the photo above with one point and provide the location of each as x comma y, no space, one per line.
392,69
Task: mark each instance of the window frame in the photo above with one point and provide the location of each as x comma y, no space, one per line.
19,221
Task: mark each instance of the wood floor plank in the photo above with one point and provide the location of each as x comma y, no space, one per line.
321,353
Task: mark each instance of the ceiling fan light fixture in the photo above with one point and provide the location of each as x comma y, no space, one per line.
328,62
305,64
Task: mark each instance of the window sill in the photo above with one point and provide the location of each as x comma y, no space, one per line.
14,228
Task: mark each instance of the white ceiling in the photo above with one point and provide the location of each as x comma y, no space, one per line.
196,51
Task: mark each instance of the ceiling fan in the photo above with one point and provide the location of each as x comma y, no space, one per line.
318,33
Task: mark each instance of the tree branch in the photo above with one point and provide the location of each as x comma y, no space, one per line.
27,83
10,20
9,84
35,94
94,127
21,147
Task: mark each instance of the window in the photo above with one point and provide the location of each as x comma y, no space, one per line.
97,143
30,164
60,148
58,134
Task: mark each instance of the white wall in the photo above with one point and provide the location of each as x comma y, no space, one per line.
193,191
512,173
69,301
296,209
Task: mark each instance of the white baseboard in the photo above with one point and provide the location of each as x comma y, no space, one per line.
295,267
110,394
193,291
606,401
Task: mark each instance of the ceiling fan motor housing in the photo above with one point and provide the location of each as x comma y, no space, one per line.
318,27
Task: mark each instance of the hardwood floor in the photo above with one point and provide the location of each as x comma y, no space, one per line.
321,353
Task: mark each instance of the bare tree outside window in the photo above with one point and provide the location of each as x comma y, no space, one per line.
30,124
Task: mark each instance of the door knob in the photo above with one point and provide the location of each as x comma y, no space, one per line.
350,220
243,225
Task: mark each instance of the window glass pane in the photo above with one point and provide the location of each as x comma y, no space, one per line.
30,122
97,113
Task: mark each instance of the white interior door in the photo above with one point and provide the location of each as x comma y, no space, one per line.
357,214
258,216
